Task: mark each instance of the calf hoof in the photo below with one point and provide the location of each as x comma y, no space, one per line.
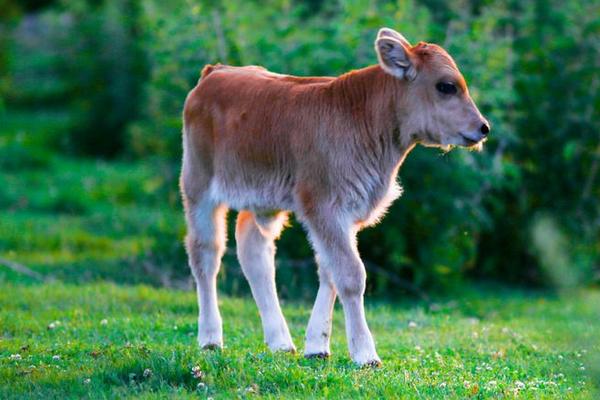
322,356
372,364
283,347
211,346
290,350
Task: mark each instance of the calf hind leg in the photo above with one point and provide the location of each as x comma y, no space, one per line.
318,332
255,237
205,244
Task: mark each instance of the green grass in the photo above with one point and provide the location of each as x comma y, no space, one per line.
481,345
82,220
105,236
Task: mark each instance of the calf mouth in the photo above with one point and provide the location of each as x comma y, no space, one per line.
468,141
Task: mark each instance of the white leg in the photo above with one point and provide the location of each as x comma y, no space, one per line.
255,237
318,332
335,244
205,245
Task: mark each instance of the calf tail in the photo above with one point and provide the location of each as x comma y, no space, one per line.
208,68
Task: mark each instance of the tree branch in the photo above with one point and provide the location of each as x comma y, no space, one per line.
22,269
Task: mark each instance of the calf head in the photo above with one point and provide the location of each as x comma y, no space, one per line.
435,106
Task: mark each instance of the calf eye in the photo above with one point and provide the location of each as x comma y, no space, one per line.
446,87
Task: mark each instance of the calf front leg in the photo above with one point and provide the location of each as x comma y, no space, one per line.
335,245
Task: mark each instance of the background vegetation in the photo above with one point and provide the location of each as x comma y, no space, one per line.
106,80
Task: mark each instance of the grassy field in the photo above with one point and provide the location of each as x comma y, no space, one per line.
105,340
91,316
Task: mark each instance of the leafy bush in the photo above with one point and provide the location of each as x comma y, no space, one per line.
85,57
533,71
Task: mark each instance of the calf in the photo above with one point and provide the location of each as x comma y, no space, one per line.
327,149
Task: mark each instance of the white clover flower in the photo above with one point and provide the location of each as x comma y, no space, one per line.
200,386
197,372
53,325
519,385
56,357
252,388
466,384
412,324
15,357
87,381
104,322
498,354
147,373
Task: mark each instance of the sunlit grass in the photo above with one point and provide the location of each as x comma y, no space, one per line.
502,344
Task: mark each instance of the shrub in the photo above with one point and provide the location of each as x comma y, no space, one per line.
532,67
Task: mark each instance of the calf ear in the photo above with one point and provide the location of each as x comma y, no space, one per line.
395,57
390,33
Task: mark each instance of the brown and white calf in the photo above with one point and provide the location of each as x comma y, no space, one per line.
327,149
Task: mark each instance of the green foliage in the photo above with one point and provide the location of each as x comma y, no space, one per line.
86,58
108,75
118,72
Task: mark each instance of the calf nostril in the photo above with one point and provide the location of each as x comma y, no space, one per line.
485,129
